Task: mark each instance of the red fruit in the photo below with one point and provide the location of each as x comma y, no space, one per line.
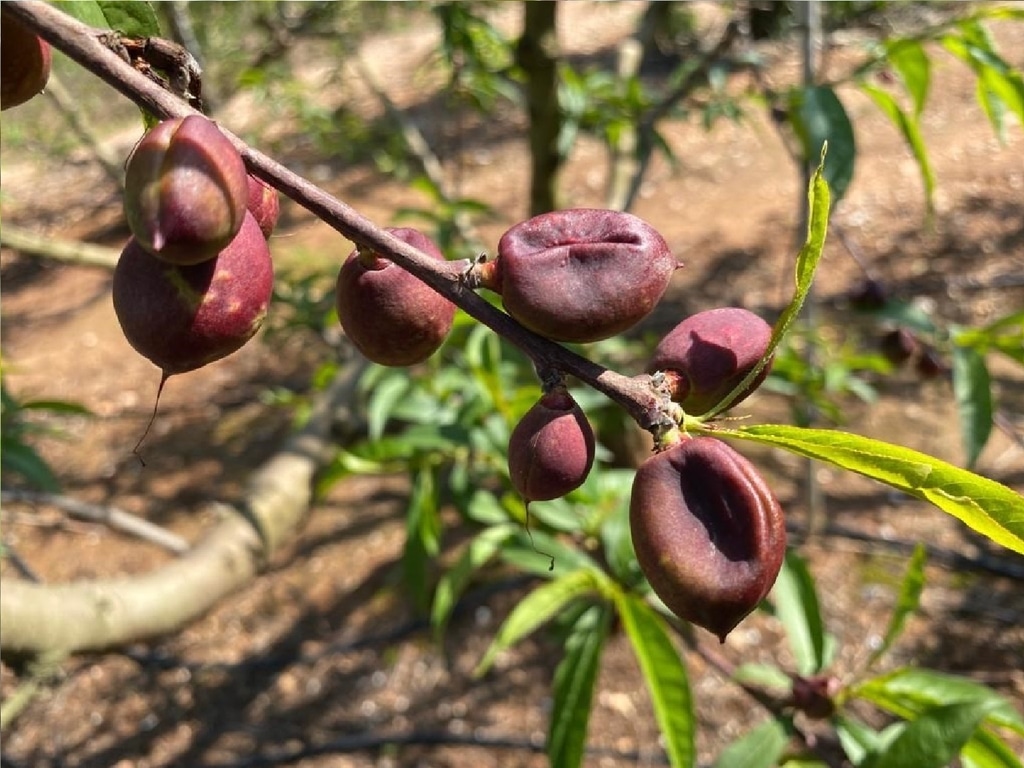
709,533
186,190
899,345
710,353
551,449
582,274
24,62
264,203
392,317
183,317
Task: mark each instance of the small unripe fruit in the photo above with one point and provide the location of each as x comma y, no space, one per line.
709,533
264,204
583,274
25,60
183,317
186,190
710,353
551,449
392,317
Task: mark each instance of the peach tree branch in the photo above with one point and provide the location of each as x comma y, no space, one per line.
94,50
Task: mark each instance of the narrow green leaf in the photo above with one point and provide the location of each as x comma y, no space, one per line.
909,58
911,130
422,536
386,394
909,691
22,459
474,556
986,750
909,599
796,606
934,738
665,674
857,739
806,265
985,505
762,676
972,391
819,118
574,687
759,748
537,608
129,17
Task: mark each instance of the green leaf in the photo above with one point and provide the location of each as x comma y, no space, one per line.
934,738
911,130
909,58
423,535
665,674
985,505
909,691
972,391
759,748
819,118
857,739
986,750
806,265
133,18
387,393
762,676
452,584
574,687
909,599
536,609
22,459
796,606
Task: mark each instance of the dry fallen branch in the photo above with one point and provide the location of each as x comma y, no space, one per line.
91,615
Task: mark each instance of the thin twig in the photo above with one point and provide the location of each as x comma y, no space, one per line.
115,518
58,249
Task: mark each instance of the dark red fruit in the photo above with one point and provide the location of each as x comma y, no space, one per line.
264,204
392,317
709,533
898,346
551,449
183,317
24,62
930,365
582,274
185,190
710,353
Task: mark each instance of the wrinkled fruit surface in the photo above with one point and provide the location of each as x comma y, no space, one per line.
264,204
709,533
709,353
183,317
551,449
582,275
24,62
186,190
392,317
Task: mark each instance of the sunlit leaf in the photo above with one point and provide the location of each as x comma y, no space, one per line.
574,687
934,738
665,674
759,748
985,505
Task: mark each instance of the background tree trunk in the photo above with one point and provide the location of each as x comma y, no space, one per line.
537,55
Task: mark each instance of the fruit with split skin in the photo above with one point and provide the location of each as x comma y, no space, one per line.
25,60
551,449
184,317
186,190
392,317
580,275
709,353
709,534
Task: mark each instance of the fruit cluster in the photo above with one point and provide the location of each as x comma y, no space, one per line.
194,282
708,531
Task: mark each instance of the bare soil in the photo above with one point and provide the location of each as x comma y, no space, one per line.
322,661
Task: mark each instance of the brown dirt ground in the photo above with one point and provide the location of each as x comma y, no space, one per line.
321,651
